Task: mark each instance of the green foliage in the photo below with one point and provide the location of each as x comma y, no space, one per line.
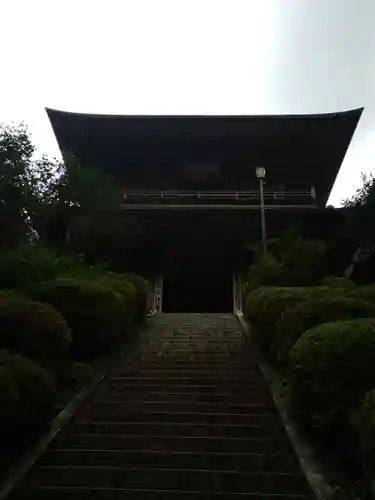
25,265
129,295
363,419
291,260
264,306
302,258
314,311
35,387
141,289
9,399
34,329
331,367
93,311
364,293
338,282
24,184
266,271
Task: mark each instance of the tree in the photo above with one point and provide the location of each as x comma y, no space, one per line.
70,207
358,230
290,260
16,151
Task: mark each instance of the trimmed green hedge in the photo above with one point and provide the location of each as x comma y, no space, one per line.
27,390
265,305
265,271
331,367
363,293
34,329
363,419
338,282
141,296
93,311
314,311
125,288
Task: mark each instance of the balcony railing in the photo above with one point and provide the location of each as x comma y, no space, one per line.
144,196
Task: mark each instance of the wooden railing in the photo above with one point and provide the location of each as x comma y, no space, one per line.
243,196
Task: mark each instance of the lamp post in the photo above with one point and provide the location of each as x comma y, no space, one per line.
261,174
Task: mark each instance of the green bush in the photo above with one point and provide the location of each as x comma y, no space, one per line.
314,311
363,420
265,271
10,399
125,288
264,306
34,329
27,264
35,387
338,282
93,311
141,300
331,367
363,293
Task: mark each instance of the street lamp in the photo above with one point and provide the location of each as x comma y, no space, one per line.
261,174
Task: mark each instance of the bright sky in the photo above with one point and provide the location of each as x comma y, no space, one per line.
191,57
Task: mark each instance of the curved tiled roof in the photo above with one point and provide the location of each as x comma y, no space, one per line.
211,151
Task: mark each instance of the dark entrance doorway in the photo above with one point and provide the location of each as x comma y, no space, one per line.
186,292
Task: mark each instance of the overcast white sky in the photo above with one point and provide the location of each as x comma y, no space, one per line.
191,57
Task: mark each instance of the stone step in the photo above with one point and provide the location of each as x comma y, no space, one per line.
178,429
182,373
182,460
171,364
187,416
184,379
157,393
121,384
169,479
124,415
85,493
142,406
172,443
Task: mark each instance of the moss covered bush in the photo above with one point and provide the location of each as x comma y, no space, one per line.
265,305
330,368
25,265
314,311
34,329
363,420
338,282
125,288
364,293
10,400
29,389
141,295
94,313
265,271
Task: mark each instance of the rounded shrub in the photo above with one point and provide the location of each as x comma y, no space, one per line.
141,295
331,367
119,284
93,311
9,400
265,305
366,292
36,388
363,420
265,271
314,311
34,329
338,282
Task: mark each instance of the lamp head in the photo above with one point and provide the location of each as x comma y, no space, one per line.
260,172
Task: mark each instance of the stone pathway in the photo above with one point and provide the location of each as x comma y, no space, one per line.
189,417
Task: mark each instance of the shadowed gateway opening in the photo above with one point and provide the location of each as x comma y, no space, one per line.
188,292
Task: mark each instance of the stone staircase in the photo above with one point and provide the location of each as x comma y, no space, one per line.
188,417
